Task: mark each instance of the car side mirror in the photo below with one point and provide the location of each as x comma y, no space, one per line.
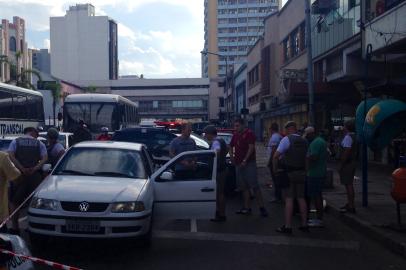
46,167
166,176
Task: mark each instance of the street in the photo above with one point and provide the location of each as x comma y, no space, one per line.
240,243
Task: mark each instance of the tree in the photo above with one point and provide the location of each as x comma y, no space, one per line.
55,88
20,78
89,89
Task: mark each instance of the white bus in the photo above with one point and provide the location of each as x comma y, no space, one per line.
97,111
19,108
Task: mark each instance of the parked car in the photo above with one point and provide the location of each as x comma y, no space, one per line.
117,194
64,138
5,143
20,247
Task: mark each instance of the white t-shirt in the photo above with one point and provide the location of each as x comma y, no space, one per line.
347,141
285,144
274,141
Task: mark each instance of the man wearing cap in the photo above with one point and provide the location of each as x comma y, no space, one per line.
242,153
219,145
291,153
28,154
55,149
316,173
104,136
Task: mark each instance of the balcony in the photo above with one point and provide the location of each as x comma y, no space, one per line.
387,28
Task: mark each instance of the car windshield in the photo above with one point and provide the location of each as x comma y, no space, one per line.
104,162
4,144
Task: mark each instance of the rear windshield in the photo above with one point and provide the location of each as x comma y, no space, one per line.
149,138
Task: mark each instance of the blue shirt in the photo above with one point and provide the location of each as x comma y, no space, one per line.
13,147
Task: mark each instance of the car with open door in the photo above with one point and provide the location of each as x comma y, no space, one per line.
109,190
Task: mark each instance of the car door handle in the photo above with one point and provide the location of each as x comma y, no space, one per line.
206,189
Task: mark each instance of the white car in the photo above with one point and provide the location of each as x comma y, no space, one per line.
64,138
108,190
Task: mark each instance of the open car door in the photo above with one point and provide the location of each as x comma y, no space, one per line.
185,187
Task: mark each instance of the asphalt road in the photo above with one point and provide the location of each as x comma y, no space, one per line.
240,243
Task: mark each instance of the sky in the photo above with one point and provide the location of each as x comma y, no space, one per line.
156,38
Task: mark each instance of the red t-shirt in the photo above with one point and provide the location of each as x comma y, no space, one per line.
104,137
240,142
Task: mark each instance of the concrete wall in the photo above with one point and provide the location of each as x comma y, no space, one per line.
215,93
80,48
254,59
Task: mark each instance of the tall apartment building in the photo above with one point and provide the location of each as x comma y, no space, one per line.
83,46
41,60
231,27
13,47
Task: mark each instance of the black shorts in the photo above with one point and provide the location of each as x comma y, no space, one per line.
24,186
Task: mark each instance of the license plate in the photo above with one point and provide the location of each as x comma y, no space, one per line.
82,226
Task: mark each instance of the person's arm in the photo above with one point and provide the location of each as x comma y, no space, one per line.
345,156
172,152
250,151
276,158
44,157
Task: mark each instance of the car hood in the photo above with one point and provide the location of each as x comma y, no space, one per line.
89,188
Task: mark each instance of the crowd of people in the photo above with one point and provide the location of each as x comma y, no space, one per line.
298,169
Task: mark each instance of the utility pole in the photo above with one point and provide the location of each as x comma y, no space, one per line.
309,63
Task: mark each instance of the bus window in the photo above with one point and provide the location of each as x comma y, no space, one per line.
73,112
101,116
20,107
6,105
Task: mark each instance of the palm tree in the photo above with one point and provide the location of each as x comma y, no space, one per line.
55,88
22,78
89,89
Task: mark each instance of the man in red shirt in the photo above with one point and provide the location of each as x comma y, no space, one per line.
242,154
105,136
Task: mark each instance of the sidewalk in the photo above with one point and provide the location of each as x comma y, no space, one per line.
372,221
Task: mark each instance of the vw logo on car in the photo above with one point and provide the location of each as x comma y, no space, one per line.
84,206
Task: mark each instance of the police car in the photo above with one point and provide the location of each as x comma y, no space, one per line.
109,190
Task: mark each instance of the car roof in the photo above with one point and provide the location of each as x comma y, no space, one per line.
109,144
60,133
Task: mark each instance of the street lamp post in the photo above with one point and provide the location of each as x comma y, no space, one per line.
309,63
226,81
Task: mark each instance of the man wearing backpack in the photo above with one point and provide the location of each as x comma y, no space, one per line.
292,151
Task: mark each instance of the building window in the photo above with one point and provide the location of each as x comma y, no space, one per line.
187,104
155,104
221,101
13,44
253,76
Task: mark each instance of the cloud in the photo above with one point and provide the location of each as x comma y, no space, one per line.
126,32
47,43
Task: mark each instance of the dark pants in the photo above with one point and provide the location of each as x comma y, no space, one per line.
276,187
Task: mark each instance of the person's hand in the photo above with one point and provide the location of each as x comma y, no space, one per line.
244,163
25,171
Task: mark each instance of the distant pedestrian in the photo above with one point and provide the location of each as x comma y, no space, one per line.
8,172
55,149
81,134
242,154
292,151
348,165
219,145
316,173
28,154
273,144
104,136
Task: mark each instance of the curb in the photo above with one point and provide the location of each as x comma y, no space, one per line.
368,230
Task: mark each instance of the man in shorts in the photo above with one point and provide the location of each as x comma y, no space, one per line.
316,173
28,154
273,143
242,154
348,165
292,151
219,145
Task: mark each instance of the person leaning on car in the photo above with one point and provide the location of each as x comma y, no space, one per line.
219,145
28,154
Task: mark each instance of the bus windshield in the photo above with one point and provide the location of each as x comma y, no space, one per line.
95,115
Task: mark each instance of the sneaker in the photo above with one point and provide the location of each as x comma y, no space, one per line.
263,211
315,223
244,211
284,230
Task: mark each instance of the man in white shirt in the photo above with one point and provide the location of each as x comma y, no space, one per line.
272,146
348,165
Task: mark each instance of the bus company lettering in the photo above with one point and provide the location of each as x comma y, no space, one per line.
11,129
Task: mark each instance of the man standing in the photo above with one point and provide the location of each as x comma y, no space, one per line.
54,148
219,145
104,136
182,143
8,172
316,173
272,146
293,149
28,154
242,154
81,134
348,165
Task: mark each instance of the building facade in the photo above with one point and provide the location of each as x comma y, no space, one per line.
13,48
231,27
41,60
84,46
163,98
